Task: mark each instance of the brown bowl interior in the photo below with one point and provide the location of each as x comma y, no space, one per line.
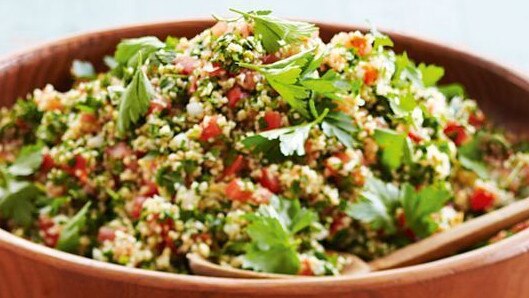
27,269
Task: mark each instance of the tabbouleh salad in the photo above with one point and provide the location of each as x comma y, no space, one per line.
255,145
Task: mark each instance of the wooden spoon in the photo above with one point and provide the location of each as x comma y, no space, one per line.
434,247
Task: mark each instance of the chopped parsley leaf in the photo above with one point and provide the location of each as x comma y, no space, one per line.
376,206
395,147
135,100
341,126
17,201
272,230
275,32
419,205
71,232
28,160
129,50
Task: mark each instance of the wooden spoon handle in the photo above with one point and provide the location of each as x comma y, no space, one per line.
451,241
201,266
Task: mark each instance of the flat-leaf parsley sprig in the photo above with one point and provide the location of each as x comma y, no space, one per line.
275,32
291,140
135,100
272,231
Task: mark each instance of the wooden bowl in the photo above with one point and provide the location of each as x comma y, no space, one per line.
32,270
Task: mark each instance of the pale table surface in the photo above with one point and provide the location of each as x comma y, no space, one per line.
496,29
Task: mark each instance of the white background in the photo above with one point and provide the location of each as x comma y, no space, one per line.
497,29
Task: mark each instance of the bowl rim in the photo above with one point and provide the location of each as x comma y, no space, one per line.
472,260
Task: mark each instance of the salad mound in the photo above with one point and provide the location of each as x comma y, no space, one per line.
255,145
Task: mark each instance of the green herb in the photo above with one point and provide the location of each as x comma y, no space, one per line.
402,105
129,50
71,231
470,156
271,230
54,205
395,147
163,57
83,70
17,201
331,85
171,42
382,41
379,201
167,179
285,75
274,32
291,140
418,206
290,214
29,159
423,75
430,74
294,79
476,166
134,101
341,126
405,71
376,205
452,90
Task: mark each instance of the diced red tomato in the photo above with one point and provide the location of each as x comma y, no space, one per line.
105,233
236,166
339,222
270,181
158,105
330,170
88,122
187,63
49,231
416,138
202,237
456,133
149,189
269,59
401,222
167,226
47,163
248,83
210,129
234,95
88,117
272,119
80,169
217,70
476,119
481,199
235,192
137,206
360,44
305,269
370,75
163,227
